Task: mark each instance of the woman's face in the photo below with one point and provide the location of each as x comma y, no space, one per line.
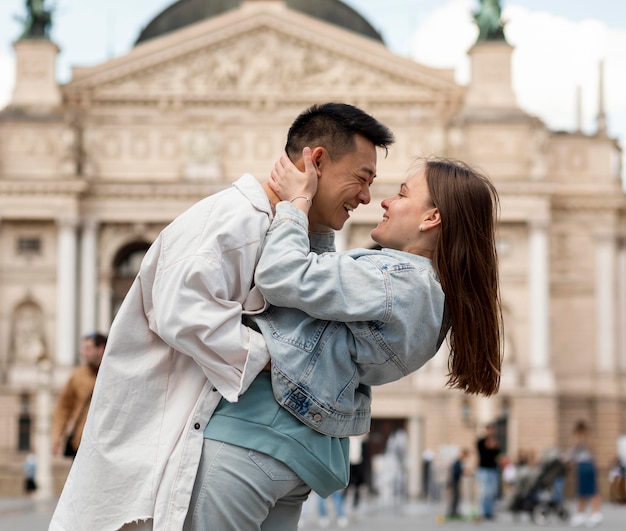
404,213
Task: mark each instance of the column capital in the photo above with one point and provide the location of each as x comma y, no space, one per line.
90,223
540,379
539,224
67,222
539,375
604,235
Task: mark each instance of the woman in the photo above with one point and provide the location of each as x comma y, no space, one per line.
445,213
343,322
586,485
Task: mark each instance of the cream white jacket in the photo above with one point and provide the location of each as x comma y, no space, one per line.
177,345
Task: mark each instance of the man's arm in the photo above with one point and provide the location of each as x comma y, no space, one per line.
196,283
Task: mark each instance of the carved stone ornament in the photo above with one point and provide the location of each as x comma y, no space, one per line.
27,334
260,59
203,149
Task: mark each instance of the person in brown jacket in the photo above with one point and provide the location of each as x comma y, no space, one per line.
71,409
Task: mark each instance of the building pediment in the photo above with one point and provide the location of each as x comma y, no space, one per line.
259,51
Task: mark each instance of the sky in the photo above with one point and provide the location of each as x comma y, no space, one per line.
558,46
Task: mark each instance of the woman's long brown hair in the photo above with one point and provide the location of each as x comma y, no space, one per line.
466,261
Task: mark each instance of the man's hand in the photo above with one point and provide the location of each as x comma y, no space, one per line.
56,448
289,183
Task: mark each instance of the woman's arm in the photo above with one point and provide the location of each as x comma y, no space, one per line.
292,185
332,286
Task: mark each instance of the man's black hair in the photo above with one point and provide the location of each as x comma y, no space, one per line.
334,126
99,340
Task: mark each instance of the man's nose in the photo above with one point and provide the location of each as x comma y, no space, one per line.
364,195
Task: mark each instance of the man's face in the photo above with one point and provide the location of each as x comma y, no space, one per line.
91,353
343,185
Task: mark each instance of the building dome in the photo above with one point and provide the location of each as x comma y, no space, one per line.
185,12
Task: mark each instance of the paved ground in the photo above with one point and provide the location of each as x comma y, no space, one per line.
23,514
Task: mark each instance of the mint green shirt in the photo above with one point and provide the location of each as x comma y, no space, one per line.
257,422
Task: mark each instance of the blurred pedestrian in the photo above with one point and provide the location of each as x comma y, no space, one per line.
71,409
29,468
587,496
357,467
337,498
457,469
488,449
509,475
617,480
428,457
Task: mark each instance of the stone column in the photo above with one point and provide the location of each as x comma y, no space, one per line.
622,304
43,474
88,277
66,292
105,298
414,452
485,411
540,377
606,287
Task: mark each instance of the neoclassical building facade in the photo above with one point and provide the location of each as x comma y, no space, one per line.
92,170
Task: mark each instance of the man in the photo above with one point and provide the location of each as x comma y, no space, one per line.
488,449
177,345
457,469
71,409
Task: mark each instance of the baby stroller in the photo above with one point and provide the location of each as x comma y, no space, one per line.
540,493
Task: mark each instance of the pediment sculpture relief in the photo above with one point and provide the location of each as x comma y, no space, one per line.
260,59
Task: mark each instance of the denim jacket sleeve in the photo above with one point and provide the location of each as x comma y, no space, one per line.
322,242
331,286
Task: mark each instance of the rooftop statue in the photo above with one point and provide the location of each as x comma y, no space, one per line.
38,20
490,26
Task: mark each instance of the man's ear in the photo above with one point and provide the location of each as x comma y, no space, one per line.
318,155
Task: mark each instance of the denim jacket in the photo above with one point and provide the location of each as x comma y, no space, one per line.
341,322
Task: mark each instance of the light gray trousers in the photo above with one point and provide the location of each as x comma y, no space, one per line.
237,489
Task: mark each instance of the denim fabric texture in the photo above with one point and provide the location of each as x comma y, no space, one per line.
341,322
487,490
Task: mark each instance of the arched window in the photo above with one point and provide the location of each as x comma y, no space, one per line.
125,267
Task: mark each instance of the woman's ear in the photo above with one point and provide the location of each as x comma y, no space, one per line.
431,220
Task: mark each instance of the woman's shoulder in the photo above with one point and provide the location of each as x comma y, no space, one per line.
399,266
400,259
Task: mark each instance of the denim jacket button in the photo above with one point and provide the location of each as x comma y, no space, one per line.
197,425
317,417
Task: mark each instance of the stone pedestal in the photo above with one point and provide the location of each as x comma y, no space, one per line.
35,75
491,85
